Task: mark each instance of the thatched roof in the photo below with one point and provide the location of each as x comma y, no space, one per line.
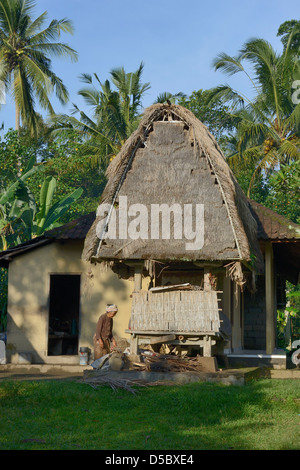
173,159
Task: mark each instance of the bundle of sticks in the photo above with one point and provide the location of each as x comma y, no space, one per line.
114,383
130,385
170,363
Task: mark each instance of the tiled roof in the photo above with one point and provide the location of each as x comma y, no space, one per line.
272,226
74,230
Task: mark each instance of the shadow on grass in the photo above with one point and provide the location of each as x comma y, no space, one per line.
70,415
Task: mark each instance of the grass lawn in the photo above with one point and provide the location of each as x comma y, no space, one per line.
65,415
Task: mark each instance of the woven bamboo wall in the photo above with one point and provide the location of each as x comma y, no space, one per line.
177,311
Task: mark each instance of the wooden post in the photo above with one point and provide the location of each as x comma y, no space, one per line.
227,306
207,284
134,344
207,288
207,346
270,294
138,271
138,277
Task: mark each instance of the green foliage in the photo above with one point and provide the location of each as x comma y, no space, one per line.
15,154
284,191
215,116
243,173
71,169
50,213
21,218
289,32
59,157
278,191
16,204
288,319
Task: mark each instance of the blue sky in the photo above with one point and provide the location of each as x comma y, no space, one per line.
177,40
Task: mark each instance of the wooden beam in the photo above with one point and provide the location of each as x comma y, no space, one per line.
213,264
270,297
162,339
138,271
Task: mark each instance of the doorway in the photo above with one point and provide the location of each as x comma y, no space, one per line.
64,308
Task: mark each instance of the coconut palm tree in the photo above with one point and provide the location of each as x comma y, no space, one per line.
268,125
25,65
116,106
131,91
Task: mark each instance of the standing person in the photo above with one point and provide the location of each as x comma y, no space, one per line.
103,336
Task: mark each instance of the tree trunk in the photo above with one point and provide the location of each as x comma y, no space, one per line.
18,119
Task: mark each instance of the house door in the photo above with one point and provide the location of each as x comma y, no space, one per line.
63,314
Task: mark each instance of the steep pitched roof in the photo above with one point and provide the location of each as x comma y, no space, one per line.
172,158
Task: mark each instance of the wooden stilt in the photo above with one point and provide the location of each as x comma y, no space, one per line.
207,284
134,344
207,346
138,271
138,278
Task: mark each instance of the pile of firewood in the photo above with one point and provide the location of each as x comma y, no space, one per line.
113,382
169,363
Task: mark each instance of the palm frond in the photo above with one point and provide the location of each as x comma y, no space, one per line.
24,97
227,64
53,49
167,96
289,150
7,15
53,31
293,120
90,96
36,24
226,94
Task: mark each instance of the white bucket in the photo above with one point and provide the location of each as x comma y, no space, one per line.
2,352
83,358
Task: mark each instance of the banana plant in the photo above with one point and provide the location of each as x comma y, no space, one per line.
15,203
20,217
48,215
